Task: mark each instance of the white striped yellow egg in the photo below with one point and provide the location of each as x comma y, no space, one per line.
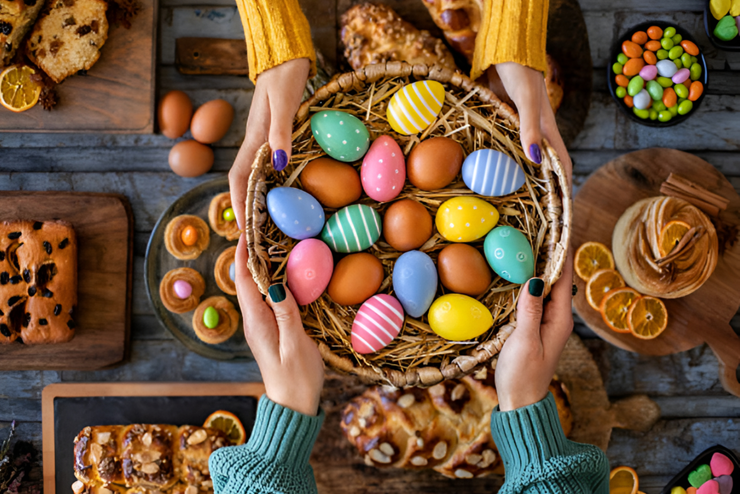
415,106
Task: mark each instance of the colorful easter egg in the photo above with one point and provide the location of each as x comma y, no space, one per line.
415,282
492,173
465,219
666,68
458,317
295,212
509,254
415,106
309,269
376,324
352,229
343,136
383,170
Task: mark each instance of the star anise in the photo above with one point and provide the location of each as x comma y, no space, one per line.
48,98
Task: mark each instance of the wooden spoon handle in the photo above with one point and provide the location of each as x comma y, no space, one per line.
726,346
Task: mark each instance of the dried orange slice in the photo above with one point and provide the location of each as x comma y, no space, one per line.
18,92
670,235
600,283
228,423
623,480
591,257
615,307
647,317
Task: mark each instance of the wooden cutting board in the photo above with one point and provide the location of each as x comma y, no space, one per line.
703,316
104,227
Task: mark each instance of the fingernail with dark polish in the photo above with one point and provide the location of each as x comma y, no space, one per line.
575,289
534,152
277,292
280,160
536,287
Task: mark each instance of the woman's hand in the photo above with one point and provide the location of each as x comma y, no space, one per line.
528,359
288,358
275,102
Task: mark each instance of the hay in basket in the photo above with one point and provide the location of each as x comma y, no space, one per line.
473,116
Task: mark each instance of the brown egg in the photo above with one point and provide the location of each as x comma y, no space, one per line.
174,113
434,163
407,225
333,183
462,269
356,278
211,121
190,158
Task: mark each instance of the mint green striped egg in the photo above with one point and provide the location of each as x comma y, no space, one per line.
352,229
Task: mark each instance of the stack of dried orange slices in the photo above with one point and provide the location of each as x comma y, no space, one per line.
623,309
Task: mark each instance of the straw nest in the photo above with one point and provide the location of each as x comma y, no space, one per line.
477,119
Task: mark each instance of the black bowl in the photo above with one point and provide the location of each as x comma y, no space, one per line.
709,24
682,479
617,49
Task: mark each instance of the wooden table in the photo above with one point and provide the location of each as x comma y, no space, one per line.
697,413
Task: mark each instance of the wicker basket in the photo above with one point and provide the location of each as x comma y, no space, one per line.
476,118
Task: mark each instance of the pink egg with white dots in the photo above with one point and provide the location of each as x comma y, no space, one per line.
383,170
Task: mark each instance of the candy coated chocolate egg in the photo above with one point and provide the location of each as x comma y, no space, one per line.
174,114
465,219
458,317
356,278
352,229
183,289
462,269
642,100
434,163
666,68
333,183
415,106
509,254
407,225
415,282
189,235
210,317
211,121
296,212
649,72
681,75
232,272
309,270
228,214
492,173
342,136
190,158
383,170
376,324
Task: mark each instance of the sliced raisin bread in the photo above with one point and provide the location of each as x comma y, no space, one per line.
16,19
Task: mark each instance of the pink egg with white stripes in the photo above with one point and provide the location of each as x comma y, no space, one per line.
377,322
309,269
383,170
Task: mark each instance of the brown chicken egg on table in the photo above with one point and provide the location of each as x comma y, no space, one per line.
174,114
211,121
333,183
407,225
190,158
434,163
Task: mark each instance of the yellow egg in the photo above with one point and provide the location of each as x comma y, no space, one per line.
415,106
458,317
465,219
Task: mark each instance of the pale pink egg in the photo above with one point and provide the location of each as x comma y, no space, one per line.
183,289
309,270
383,170
377,322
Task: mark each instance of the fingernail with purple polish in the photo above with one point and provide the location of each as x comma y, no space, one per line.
280,160
534,153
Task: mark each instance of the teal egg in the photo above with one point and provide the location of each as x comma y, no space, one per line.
509,254
352,229
342,136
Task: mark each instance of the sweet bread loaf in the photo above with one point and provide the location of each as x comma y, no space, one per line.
16,19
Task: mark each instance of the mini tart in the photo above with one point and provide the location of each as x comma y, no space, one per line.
173,237
228,320
228,229
221,271
169,298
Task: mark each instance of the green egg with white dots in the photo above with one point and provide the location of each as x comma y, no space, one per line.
342,136
509,254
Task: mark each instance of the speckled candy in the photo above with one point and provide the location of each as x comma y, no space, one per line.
509,254
415,106
492,173
721,465
309,269
415,282
295,212
666,68
458,317
352,229
681,75
341,135
465,219
649,72
383,170
376,324
183,289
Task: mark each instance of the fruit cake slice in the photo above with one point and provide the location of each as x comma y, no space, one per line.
16,19
68,37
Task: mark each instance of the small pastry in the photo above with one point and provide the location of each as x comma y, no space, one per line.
181,289
222,218
186,237
215,320
225,271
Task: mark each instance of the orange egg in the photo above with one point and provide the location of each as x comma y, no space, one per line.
632,50
649,57
633,66
628,101
211,121
640,37
173,114
695,90
690,47
655,32
669,97
189,235
190,158
653,45
622,80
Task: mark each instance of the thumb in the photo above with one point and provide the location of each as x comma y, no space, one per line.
286,311
529,308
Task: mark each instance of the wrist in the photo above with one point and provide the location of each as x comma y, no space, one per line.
512,401
296,403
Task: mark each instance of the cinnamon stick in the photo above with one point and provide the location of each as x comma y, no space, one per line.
709,202
669,190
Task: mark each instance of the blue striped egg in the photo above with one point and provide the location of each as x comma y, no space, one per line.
492,173
415,282
295,212
414,107
352,229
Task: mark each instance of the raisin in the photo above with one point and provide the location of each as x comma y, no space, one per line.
5,330
8,46
13,235
43,322
4,277
38,224
26,319
83,30
2,313
32,291
95,25
47,246
69,21
2,256
57,309
13,300
82,72
15,279
54,47
27,276
64,243
6,28
68,3
71,324
41,53
30,3
46,293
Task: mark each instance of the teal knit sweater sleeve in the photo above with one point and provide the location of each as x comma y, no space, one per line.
274,460
540,460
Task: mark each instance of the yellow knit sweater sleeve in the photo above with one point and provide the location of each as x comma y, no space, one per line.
511,31
276,31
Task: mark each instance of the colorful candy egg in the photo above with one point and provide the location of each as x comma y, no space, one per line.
465,219
509,254
458,317
492,173
415,282
309,270
666,68
295,212
383,170
376,324
352,229
415,106
343,136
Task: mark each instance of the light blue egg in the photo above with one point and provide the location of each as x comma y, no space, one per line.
415,282
232,272
509,254
492,173
343,136
296,212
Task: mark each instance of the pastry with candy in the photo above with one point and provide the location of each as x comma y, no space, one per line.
181,289
222,218
225,271
215,320
186,237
